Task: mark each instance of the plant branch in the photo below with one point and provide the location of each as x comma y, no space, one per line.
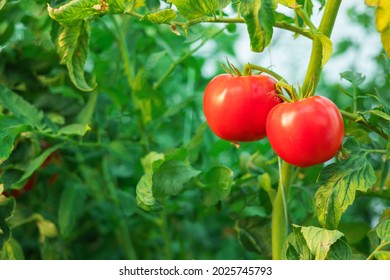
266,70
185,25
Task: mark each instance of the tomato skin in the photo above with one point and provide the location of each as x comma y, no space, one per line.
306,132
236,107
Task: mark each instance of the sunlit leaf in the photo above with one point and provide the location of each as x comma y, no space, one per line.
383,231
2,3
192,9
145,198
382,255
75,10
74,129
339,182
163,16
72,46
327,48
313,243
382,21
288,3
259,17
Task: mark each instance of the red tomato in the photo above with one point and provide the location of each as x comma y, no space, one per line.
236,108
307,132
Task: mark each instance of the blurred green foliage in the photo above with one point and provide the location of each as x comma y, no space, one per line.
84,202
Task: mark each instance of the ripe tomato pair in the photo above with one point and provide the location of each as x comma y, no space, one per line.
246,108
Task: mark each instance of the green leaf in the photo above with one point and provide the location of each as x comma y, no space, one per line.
382,255
47,229
153,5
2,3
127,202
354,78
218,181
319,240
171,176
223,3
283,18
340,251
75,10
7,208
72,46
380,114
86,114
163,16
36,163
10,127
297,248
379,118
327,48
7,33
382,21
259,17
383,231
11,251
313,243
22,110
145,198
193,9
264,182
288,3
75,129
339,182
70,208
149,159
254,234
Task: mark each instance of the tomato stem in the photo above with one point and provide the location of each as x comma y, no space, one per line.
326,27
279,211
266,70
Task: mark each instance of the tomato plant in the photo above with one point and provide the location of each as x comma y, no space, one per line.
306,132
236,107
117,88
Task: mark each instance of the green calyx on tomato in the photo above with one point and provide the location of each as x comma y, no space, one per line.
236,107
307,132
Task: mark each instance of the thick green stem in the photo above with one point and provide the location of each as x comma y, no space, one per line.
326,27
279,212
